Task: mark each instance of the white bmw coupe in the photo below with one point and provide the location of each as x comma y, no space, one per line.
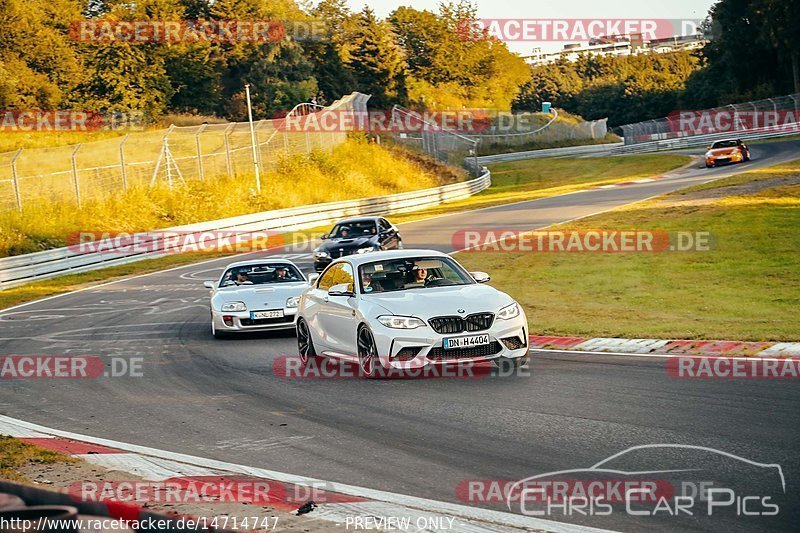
256,295
406,309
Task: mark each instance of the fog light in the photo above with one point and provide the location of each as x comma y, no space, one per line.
228,320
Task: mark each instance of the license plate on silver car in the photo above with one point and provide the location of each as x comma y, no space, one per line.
275,313
466,342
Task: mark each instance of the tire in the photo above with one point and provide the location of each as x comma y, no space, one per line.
368,359
709,166
216,333
746,156
305,344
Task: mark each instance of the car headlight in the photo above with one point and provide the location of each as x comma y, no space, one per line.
293,301
234,306
318,255
365,250
401,322
709,155
509,311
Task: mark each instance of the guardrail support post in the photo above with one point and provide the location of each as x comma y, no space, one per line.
122,162
199,151
75,183
14,180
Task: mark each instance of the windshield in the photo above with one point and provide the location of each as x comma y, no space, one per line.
261,274
357,228
411,273
724,144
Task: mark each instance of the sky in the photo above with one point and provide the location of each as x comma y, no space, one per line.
558,9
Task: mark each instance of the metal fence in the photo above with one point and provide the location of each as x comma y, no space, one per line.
443,145
761,115
161,158
462,148
553,131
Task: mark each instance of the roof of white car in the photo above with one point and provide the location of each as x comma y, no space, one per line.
360,259
264,261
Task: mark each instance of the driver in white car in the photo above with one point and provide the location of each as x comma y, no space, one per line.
418,275
243,279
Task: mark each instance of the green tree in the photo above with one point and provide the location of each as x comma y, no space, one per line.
330,53
451,64
42,65
377,61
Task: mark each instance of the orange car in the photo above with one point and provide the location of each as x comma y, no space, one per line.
727,151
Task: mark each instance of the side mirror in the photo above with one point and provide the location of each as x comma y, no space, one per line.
208,284
324,236
480,277
342,289
312,278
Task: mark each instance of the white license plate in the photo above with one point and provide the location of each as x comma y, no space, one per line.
277,313
466,342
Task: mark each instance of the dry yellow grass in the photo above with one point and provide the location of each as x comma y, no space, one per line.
15,454
355,169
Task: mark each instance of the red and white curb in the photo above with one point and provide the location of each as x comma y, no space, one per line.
665,348
345,500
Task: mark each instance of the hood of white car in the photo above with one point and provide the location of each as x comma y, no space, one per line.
271,296
429,302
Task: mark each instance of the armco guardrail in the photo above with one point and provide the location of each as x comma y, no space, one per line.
15,271
694,141
550,152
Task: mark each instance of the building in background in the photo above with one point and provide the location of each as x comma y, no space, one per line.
617,45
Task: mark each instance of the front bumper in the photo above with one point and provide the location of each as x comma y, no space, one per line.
721,160
321,263
238,322
420,347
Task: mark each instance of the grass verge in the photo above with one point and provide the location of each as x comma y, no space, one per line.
747,287
15,454
499,148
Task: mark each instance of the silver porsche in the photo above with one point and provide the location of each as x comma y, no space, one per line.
256,295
